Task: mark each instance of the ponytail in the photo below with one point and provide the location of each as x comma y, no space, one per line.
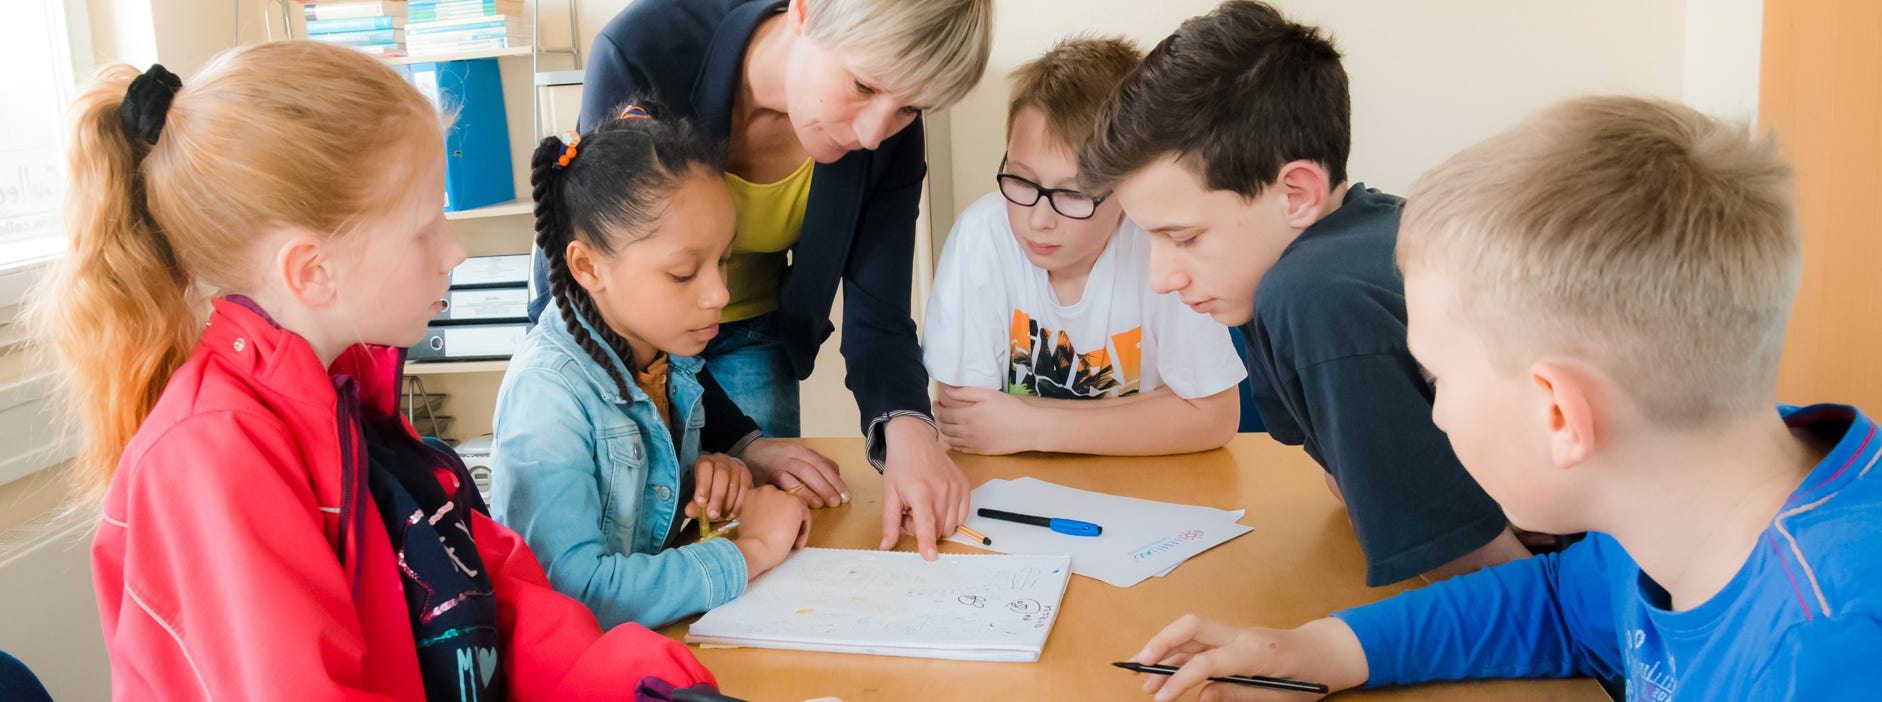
171,184
119,312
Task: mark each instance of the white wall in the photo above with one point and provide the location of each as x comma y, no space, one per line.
181,34
122,32
1723,42
50,613
1428,78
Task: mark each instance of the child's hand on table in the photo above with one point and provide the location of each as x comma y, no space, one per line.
720,483
799,470
1323,651
983,421
771,525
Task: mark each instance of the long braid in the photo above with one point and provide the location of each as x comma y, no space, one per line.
585,306
553,234
608,335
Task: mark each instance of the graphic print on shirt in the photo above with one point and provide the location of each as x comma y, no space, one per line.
449,598
442,540
1043,363
1650,671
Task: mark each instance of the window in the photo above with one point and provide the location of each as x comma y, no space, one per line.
39,40
36,75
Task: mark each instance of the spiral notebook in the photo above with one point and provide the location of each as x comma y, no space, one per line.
977,607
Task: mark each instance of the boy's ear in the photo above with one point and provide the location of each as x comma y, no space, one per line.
1305,187
1570,401
795,14
302,267
585,266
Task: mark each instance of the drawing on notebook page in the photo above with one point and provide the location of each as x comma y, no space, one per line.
964,606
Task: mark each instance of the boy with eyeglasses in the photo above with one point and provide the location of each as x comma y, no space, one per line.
1042,328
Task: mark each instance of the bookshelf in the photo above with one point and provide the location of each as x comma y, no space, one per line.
470,387
463,55
429,368
501,209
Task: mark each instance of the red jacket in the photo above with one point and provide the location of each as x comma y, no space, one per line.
240,557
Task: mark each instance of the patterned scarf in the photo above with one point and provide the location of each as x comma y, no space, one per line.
447,591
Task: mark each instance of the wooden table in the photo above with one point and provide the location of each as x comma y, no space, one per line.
1301,562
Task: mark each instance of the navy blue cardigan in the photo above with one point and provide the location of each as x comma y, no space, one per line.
859,226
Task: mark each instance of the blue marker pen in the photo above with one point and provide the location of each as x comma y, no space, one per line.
1064,526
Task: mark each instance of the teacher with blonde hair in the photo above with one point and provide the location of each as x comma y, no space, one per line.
819,105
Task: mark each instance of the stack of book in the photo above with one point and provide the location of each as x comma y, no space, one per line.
450,26
376,27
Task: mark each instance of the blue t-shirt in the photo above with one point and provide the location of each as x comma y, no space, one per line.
1331,373
1801,620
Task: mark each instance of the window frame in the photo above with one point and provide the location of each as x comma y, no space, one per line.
29,398
18,276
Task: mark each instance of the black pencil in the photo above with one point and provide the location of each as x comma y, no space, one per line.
1249,680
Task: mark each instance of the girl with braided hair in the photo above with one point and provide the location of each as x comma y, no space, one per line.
598,422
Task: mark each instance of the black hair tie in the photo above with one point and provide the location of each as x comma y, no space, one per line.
147,103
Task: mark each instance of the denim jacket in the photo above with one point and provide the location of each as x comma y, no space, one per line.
592,481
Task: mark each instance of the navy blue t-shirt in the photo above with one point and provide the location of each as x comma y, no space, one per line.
1331,373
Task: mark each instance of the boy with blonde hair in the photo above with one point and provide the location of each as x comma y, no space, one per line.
1600,296
1042,328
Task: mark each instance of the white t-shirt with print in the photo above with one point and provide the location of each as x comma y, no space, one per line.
994,321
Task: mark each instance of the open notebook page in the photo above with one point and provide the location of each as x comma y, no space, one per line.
982,607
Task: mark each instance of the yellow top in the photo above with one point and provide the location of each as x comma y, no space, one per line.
770,217
653,381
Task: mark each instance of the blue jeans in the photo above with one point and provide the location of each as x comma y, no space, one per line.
747,358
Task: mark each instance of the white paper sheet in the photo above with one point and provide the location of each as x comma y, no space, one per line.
979,607
1141,538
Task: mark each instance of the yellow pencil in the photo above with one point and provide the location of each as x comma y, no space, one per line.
977,536
723,530
706,532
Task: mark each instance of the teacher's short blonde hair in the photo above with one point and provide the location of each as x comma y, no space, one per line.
932,51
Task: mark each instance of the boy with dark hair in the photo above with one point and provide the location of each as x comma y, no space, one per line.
1601,295
1229,146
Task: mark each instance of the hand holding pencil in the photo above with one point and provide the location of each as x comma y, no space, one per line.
771,526
1324,651
719,486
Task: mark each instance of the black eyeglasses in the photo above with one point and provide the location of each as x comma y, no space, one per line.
1068,203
